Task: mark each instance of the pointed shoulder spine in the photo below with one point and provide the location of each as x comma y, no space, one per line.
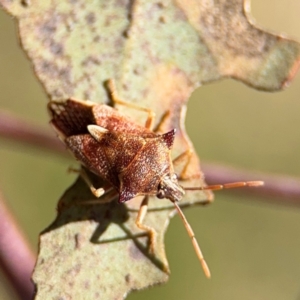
169,138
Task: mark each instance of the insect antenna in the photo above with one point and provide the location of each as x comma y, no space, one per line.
231,185
194,241
188,227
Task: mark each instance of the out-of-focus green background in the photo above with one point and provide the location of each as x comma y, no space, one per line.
253,248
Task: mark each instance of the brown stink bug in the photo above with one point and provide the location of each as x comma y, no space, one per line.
133,159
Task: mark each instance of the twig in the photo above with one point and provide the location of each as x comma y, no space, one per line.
281,189
16,258
278,188
16,129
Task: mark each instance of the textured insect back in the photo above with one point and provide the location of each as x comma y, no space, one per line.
152,163
131,158
71,117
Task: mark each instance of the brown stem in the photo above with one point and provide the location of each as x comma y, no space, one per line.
16,257
282,189
16,129
278,188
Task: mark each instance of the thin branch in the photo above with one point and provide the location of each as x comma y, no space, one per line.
282,189
278,188
16,129
16,257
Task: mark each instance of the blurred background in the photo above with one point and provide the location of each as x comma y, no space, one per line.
251,246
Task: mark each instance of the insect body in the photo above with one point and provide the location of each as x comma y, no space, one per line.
132,158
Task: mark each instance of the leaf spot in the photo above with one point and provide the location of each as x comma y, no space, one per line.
128,278
78,242
90,18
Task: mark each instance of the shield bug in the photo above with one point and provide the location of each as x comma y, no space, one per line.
133,159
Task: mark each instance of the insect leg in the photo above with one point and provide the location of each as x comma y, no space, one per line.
96,192
139,223
117,100
186,158
109,196
163,119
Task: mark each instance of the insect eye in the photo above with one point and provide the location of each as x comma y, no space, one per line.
160,194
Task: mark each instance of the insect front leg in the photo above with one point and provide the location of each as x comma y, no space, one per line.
139,223
116,99
185,158
109,194
164,118
83,174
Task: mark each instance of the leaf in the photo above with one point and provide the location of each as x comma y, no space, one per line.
158,52
72,254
